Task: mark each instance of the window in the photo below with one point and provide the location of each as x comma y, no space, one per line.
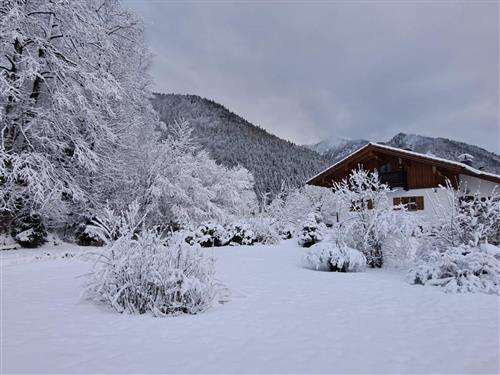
411,203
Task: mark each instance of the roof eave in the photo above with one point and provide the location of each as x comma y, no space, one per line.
458,167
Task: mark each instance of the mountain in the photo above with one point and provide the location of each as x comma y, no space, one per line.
336,149
231,141
447,149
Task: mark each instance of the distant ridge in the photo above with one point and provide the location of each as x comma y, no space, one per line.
231,141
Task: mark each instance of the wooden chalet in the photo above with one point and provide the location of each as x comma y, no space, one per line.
411,174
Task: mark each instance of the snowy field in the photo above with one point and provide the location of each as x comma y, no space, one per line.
281,318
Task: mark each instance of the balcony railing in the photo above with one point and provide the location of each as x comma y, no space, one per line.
394,179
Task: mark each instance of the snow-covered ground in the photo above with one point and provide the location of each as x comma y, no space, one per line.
281,318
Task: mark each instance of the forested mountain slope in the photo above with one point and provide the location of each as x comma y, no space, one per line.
231,140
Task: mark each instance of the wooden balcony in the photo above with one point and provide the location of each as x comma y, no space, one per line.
394,179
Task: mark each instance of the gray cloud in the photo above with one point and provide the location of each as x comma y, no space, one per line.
307,71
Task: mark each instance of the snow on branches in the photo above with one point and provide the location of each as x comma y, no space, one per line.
459,252
73,90
179,185
144,273
458,269
370,218
329,256
311,231
463,219
291,207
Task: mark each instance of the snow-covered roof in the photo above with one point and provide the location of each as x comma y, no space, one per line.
466,168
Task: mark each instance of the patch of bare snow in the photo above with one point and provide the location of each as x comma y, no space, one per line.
281,318
48,251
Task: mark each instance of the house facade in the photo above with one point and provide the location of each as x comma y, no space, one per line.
414,178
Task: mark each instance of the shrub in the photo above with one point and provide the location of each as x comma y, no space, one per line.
210,234
311,232
459,269
29,231
400,252
467,220
140,273
327,256
264,232
247,231
242,234
85,235
286,233
109,225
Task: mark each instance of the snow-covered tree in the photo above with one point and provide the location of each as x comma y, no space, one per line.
370,218
72,88
291,207
179,185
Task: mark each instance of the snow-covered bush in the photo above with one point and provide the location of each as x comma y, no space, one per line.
459,269
329,256
371,217
29,231
287,232
247,231
466,220
210,234
400,252
85,235
263,230
457,254
289,208
242,234
141,272
311,232
109,225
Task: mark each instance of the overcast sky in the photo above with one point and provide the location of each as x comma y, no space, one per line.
312,70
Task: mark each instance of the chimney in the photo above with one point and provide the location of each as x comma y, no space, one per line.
466,159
